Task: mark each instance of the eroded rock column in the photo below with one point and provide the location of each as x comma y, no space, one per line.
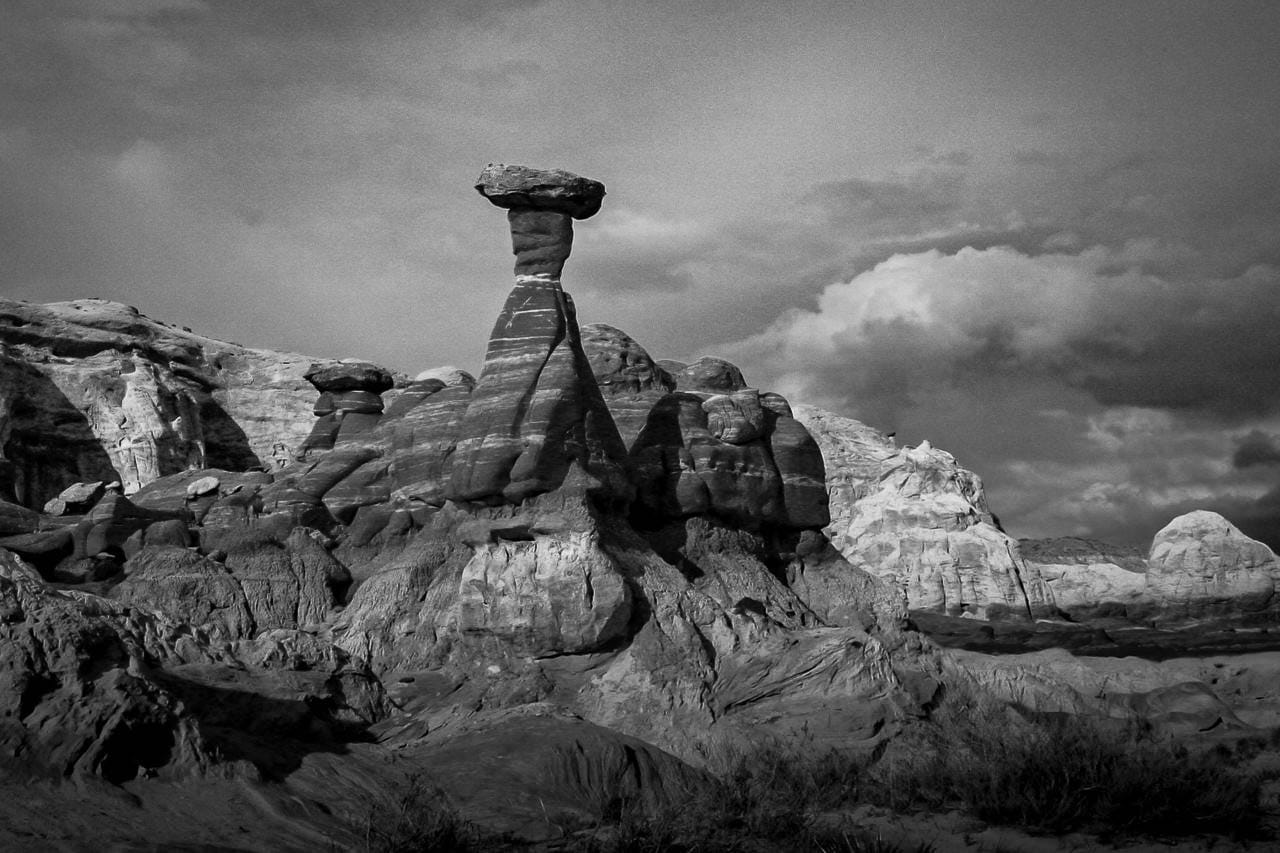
536,413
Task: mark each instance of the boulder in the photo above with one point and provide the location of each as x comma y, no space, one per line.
342,376
1200,564
16,519
449,375
709,375
203,486
519,187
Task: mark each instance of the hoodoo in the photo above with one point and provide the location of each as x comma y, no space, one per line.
536,411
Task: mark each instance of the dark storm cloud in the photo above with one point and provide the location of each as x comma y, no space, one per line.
1257,448
1258,518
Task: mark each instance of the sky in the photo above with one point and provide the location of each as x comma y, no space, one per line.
1043,236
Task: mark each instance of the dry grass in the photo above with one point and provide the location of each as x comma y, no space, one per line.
1056,774
1040,774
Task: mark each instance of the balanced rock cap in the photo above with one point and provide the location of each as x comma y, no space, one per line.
349,376
515,187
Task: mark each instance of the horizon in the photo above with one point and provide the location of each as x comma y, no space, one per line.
1046,239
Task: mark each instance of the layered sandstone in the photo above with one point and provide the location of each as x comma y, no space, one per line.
93,390
914,517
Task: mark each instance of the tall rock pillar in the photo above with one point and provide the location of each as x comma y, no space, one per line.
536,413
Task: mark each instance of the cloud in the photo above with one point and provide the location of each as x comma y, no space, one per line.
902,205
1120,335
1257,448
1095,398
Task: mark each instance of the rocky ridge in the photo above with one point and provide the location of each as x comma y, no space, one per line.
93,390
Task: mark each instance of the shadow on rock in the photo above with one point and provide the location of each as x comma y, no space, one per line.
272,722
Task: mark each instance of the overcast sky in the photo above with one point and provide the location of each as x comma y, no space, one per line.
1045,236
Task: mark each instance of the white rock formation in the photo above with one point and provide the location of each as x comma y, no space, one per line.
91,389
1201,564
915,517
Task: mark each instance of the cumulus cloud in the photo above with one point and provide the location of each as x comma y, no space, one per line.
1120,335
1130,382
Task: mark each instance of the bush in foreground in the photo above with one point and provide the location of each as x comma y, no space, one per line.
1042,774
1063,773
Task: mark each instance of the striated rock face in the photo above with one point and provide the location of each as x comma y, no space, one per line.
93,390
630,381
350,402
709,444
541,206
915,518
1200,564
536,410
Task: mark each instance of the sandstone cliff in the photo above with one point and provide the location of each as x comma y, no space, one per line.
93,390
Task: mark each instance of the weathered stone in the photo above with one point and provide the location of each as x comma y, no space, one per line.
260,585
425,425
203,486
735,418
769,474
709,375
544,596
349,376
541,241
81,496
517,187
536,410
541,206
1089,579
169,494
917,519
1200,564
16,519
108,394
61,716
629,380
449,375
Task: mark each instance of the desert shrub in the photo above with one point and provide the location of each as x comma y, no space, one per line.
1062,773
776,797
420,819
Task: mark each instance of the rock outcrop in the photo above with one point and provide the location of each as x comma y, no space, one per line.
76,696
1088,579
350,402
1200,564
536,411
93,390
914,517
